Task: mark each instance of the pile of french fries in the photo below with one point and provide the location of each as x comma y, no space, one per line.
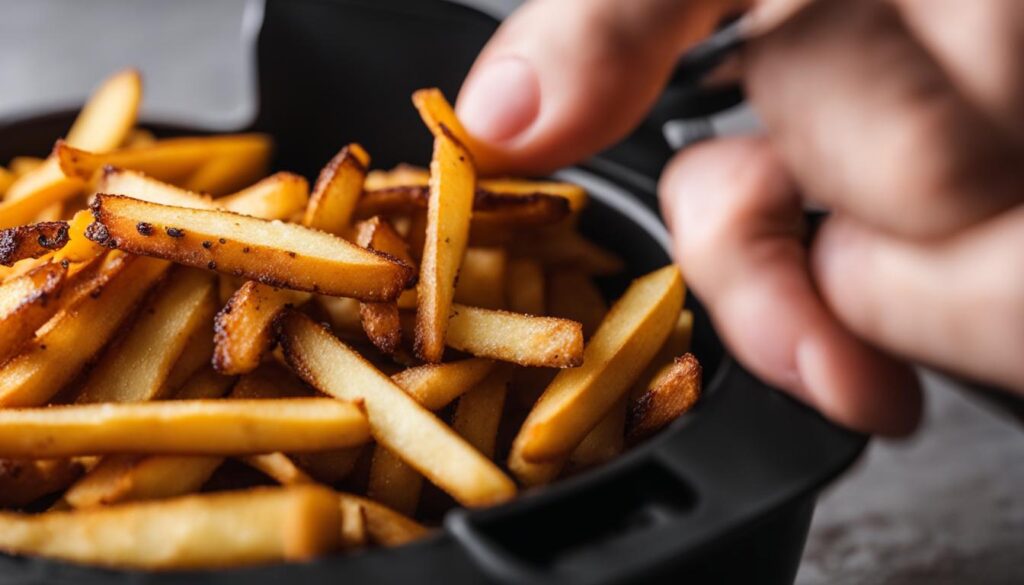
204,366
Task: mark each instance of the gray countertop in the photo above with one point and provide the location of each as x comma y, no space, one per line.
946,506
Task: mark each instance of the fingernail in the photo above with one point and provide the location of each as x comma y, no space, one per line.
500,100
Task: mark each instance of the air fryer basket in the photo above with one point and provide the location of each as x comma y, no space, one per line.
723,495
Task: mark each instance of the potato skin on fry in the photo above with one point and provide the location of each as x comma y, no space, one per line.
674,391
32,241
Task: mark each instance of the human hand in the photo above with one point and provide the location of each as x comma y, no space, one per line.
903,116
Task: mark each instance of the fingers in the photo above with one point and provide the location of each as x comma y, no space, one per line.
562,79
871,125
737,221
958,305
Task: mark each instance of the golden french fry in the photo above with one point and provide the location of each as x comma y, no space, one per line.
673,392
402,175
109,115
21,165
385,526
183,427
677,343
478,412
353,525
225,529
138,185
526,340
196,356
436,385
170,159
231,170
23,481
278,196
451,202
561,248
399,422
481,281
524,287
337,190
604,442
74,336
274,253
243,327
136,367
381,320
79,248
204,383
31,194
131,478
577,399
139,137
393,482
24,306
573,295
278,467
437,113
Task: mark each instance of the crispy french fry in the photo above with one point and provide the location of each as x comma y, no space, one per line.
398,422
573,295
23,481
138,185
243,327
677,344
31,241
478,412
32,193
278,467
673,392
393,482
354,533
206,531
136,368
436,385
577,399
167,160
337,190
273,253
490,210
385,526
231,170
79,332
109,115
381,320
604,442
526,340
278,196
481,281
524,287
79,248
451,201
130,478
183,427
23,305
437,113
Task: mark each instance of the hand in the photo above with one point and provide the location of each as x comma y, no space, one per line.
905,117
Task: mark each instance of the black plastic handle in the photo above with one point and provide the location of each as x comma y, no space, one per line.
663,503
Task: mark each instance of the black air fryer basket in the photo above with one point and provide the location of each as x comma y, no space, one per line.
724,495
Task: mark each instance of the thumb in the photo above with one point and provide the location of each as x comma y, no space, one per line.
562,79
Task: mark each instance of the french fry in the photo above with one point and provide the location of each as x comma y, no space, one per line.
278,196
79,248
31,194
130,478
109,115
204,383
354,533
393,482
23,481
573,295
524,287
136,368
273,253
673,392
451,200
206,531
242,331
577,399
6,180
31,241
381,320
231,170
604,442
526,340
197,354
71,339
23,305
385,526
138,185
270,380
22,165
170,159
398,422
560,248
478,412
183,427
490,210
437,113
337,190
481,281
677,344
139,137
278,467
436,385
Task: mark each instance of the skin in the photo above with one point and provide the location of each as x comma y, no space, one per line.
877,109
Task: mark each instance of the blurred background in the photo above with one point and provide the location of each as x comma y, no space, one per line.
945,506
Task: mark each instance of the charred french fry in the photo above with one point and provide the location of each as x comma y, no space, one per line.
279,196
526,340
243,327
32,241
337,190
183,427
274,253
205,531
79,248
135,368
23,305
673,392
451,200
399,422
381,320
577,399
74,336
